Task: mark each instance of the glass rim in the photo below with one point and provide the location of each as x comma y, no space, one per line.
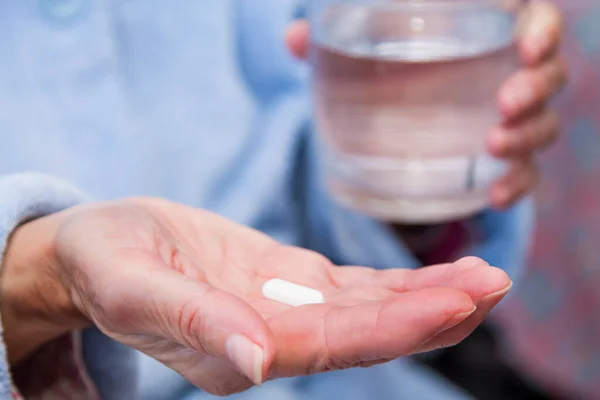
508,5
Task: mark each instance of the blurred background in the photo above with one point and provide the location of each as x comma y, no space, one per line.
544,342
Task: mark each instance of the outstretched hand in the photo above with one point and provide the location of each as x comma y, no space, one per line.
184,286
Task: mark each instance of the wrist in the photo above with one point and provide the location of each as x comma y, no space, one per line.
36,305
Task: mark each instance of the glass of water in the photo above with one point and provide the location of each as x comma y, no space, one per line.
405,94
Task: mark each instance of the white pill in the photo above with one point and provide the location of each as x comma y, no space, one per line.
291,294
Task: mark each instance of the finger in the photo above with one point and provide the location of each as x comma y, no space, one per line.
541,34
522,178
297,37
536,132
403,280
471,275
455,335
325,337
357,295
204,319
531,88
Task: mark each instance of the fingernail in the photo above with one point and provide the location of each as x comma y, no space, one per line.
457,319
247,357
500,293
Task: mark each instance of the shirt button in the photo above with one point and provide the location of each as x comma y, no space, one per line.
63,11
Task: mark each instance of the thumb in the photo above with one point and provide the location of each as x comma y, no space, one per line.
197,316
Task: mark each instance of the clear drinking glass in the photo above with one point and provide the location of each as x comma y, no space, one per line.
405,95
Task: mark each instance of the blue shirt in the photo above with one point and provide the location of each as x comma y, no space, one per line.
198,101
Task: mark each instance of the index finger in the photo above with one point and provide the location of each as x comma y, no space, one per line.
470,275
541,31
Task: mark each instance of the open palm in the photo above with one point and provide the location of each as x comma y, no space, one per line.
185,287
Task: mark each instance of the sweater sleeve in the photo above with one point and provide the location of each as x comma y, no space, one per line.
56,370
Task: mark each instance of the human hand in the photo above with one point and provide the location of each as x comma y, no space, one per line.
184,286
528,124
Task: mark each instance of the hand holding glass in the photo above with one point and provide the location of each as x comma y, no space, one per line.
405,95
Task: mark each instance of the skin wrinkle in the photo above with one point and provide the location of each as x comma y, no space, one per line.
225,259
322,361
187,322
333,362
170,230
182,263
330,277
378,322
163,320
